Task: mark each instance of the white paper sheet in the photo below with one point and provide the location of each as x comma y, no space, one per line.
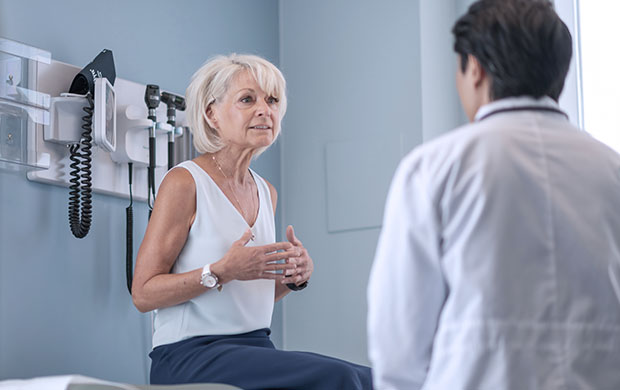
63,382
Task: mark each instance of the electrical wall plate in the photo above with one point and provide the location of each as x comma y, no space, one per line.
104,117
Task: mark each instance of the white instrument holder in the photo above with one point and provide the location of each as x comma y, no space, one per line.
109,169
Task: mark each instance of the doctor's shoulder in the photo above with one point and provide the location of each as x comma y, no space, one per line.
436,155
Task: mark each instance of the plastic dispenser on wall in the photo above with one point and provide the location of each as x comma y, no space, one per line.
23,110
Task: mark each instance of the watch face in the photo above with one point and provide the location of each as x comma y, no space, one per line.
209,281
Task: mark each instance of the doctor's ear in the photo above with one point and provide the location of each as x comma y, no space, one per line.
475,70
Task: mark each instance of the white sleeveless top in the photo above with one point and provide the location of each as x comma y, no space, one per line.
241,306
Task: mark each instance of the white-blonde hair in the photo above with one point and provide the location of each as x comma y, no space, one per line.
212,81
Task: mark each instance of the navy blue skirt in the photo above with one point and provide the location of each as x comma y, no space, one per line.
251,361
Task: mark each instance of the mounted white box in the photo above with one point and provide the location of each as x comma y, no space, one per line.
65,124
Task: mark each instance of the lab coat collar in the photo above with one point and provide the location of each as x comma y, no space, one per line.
516,102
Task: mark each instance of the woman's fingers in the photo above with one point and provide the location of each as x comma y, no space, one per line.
293,252
290,236
293,260
292,279
245,238
265,261
296,275
277,246
280,267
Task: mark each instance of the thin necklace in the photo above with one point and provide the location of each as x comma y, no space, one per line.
232,190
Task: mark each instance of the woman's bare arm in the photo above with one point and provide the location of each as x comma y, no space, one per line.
173,214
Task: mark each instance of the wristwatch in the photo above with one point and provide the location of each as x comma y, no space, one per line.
295,287
209,279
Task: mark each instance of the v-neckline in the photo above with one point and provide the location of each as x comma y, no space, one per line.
238,212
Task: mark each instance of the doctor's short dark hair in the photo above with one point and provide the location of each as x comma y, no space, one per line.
522,44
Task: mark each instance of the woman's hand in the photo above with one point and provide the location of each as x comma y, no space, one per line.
305,266
256,262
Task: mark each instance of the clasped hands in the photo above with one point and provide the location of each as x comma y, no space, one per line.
262,262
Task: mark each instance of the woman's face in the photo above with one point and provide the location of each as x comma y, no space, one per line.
246,116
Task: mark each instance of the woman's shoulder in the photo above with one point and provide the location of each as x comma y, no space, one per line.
176,198
273,193
178,179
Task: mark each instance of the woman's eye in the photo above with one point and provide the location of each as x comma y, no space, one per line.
272,100
247,99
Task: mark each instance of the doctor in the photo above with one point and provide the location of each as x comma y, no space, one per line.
491,271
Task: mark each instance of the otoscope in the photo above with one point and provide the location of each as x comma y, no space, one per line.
174,103
151,98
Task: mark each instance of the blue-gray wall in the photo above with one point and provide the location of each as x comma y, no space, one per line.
64,307
353,70
368,81
441,108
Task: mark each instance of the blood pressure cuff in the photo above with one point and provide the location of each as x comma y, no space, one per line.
101,66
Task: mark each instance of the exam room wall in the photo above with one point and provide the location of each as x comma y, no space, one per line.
368,81
64,307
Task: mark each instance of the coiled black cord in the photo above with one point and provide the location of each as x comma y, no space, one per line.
129,233
80,194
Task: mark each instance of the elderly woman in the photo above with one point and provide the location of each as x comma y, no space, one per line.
209,264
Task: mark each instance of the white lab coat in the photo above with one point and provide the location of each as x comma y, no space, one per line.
491,270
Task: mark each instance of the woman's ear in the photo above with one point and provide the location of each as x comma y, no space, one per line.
211,118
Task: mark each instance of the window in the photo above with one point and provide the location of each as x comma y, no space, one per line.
600,69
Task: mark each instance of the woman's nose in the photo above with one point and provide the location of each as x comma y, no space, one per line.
262,108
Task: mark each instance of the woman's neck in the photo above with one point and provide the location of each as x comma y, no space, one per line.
233,164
